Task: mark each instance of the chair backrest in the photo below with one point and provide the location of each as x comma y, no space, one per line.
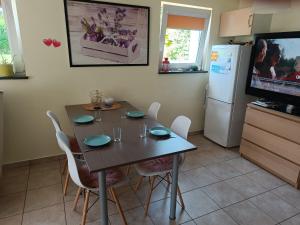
181,126
64,144
153,110
54,120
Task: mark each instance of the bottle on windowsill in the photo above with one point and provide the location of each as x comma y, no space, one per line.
165,65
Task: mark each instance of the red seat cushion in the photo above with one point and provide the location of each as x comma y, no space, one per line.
157,165
74,145
90,180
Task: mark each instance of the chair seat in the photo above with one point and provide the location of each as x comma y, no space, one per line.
90,180
74,145
156,166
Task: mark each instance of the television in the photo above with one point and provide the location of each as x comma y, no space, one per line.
274,71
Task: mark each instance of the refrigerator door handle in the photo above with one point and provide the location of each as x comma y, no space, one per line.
205,96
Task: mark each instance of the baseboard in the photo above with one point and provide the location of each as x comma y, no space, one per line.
32,161
197,132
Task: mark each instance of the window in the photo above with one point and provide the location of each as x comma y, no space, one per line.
4,44
10,40
183,36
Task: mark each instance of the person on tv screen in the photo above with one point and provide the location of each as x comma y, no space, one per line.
295,76
271,60
260,55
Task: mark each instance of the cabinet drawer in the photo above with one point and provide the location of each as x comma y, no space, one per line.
280,146
275,124
273,163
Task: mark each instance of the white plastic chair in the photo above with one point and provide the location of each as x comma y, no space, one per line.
74,147
153,110
180,126
74,169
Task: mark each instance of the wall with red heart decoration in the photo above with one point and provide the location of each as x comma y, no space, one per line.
49,42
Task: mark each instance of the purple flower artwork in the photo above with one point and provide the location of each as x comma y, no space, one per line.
106,34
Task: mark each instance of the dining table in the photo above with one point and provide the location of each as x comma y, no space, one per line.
130,150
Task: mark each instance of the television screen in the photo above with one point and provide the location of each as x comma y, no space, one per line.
275,65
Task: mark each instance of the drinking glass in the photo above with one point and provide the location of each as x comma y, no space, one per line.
117,134
143,130
97,115
123,113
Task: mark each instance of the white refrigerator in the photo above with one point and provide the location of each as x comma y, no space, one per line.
226,99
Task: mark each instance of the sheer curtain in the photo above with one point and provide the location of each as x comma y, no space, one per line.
15,44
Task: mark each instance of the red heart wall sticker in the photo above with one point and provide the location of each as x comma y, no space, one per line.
47,41
56,43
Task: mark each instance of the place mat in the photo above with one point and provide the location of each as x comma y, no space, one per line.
90,107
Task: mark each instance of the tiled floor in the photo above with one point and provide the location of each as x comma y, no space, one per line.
219,188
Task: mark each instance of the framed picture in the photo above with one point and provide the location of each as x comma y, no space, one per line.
107,34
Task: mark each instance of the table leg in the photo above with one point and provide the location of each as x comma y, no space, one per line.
174,187
103,198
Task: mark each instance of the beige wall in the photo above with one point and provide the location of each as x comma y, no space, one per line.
53,84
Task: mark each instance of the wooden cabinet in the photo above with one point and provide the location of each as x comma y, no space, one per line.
244,22
271,139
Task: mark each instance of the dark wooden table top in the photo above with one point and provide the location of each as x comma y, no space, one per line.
132,148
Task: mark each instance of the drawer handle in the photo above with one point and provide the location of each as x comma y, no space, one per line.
250,20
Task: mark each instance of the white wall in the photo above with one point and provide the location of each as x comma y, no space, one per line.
53,84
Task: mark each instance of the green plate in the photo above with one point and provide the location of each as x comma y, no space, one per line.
97,140
135,114
160,131
83,119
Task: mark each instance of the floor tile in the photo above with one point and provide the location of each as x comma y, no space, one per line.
15,171
43,197
265,179
216,218
74,217
53,215
133,217
189,223
128,200
191,162
245,213
223,194
46,166
44,178
14,220
185,183
159,212
160,192
242,165
275,207
12,204
223,170
292,221
245,186
14,184
288,194
198,204
201,176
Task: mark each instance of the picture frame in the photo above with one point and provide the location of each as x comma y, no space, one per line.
107,34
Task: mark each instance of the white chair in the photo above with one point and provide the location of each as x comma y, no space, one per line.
73,143
89,182
162,167
153,110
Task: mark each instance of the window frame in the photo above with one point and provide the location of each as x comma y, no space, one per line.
14,38
184,11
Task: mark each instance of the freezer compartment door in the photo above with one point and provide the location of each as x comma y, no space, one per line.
223,72
217,121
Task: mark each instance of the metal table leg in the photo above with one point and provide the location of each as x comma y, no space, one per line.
174,187
103,198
